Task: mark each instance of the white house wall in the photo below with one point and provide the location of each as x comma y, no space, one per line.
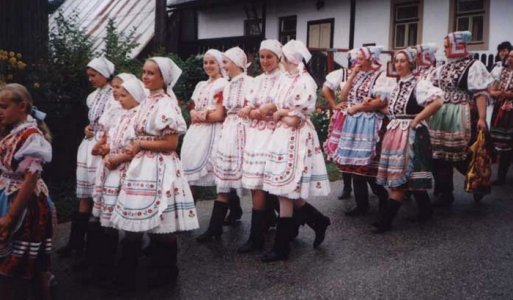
372,22
224,21
435,23
501,23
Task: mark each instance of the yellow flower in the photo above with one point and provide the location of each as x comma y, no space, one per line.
11,54
12,61
36,85
18,56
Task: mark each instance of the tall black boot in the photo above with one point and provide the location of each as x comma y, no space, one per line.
163,268
256,235
380,192
502,171
235,208
388,217
215,227
127,265
361,196
348,180
272,207
281,248
317,221
77,233
93,253
424,205
443,174
108,256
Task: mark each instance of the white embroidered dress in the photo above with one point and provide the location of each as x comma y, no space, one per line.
200,141
102,109
108,182
295,167
155,195
258,132
230,147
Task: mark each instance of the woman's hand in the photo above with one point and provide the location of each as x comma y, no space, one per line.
292,121
256,114
340,106
279,114
194,116
133,148
244,112
481,125
111,162
353,109
88,132
267,109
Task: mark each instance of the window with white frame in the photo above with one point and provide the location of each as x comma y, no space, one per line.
406,27
470,15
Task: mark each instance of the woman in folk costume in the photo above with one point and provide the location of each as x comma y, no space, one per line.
295,169
426,60
464,81
358,149
335,81
26,211
405,161
155,197
102,109
502,119
230,147
258,135
102,238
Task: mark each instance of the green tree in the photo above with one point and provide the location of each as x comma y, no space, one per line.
118,47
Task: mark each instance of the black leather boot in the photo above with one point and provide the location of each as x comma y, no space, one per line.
215,228
388,217
318,222
235,209
163,268
361,196
281,248
77,234
256,235
91,262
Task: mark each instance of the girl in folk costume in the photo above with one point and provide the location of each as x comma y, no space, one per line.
405,161
358,147
463,80
155,196
502,119
26,212
102,109
334,81
230,147
258,135
426,60
295,167
102,238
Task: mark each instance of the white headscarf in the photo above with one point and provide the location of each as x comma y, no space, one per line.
296,51
238,57
169,70
218,56
272,45
102,66
125,76
135,87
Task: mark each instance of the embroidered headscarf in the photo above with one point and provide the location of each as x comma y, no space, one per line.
218,56
135,87
426,54
372,54
102,65
457,42
238,57
296,51
272,45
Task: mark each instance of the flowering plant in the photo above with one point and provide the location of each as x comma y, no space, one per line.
11,66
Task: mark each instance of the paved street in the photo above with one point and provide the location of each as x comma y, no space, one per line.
464,253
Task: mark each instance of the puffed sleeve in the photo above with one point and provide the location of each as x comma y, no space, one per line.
303,97
496,72
426,92
383,86
168,118
113,110
217,92
35,152
334,79
479,79
90,98
197,90
252,91
249,84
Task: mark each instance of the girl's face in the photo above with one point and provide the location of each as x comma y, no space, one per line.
96,79
126,100
363,62
503,54
231,69
11,112
402,65
510,58
268,60
446,47
210,66
116,85
152,78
